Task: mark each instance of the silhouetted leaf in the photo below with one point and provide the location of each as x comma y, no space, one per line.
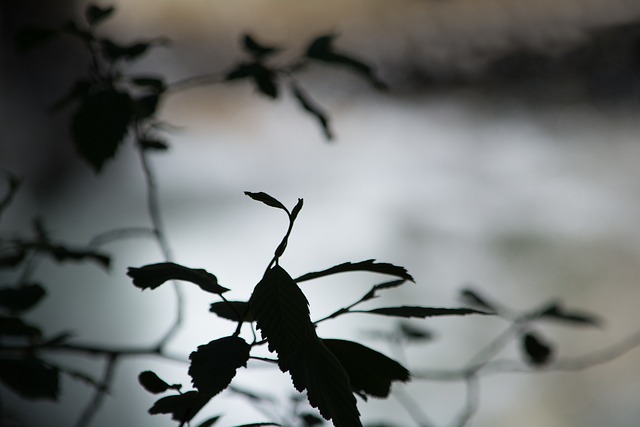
96,14
29,38
146,106
231,309
370,372
314,368
154,144
314,109
21,298
30,377
151,82
368,265
214,365
414,333
211,421
282,313
62,253
241,71
386,285
538,351
16,327
322,49
263,77
256,49
473,298
259,424
311,420
154,384
296,210
557,312
114,51
182,407
100,124
266,199
153,275
421,312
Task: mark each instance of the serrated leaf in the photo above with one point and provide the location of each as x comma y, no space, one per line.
96,14
282,313
21,298
182,407
16,327
368,265
29,38
473,298
557,312
153,383
314,368
214,365
370,372
266,199
421,312
153,275
256,49
31,378
537,350
231,309
100,124
314,109
208,423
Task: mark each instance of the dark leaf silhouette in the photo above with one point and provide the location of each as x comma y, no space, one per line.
214,365
30,378
146,106
16,327
421,312
259,424
208,423
557,312
100,124
322,49
473,298
314,368
386,285
29,38
263,77
311,420
282,313
266,199
368,265
538,351
182,407
62,253
21,298
150,82
96,14
256,49
312,108
154,144
232,309
296,210
370,372
12,259
115,52
153,275
154,384
414,333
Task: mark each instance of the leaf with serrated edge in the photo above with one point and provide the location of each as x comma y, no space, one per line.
368,265
153,275
182,407
214,365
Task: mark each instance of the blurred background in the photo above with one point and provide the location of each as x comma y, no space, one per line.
504,158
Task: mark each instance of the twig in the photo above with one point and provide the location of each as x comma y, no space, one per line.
94,405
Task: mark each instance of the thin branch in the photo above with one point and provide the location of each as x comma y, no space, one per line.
413,408
95,404
472,402
195,81
120,234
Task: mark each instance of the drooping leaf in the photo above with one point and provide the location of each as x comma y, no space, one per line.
421,312
153,275
537,350
214,365
96,14
29,38
16,327
21,298
100,124
473,298
154,384
314,368
282,313
368,265
312,108
30,377
208,423
557,312
266,199
231,309
322,49
256,49
182,407
386,285
370,372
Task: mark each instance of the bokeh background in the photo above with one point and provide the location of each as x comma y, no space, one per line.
504,157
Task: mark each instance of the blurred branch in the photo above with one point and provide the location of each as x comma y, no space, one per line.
95,403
